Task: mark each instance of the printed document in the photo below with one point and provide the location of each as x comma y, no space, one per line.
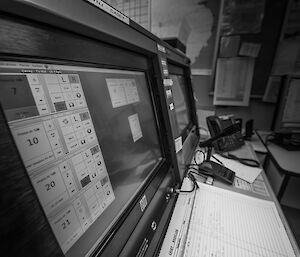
229,224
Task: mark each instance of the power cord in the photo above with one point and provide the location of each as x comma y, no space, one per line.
246,161
190,174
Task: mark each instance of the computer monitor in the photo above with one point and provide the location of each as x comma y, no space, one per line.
182,102
86,130
184,128
88,139
286,123
81,86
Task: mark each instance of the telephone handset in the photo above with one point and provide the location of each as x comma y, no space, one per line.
216,124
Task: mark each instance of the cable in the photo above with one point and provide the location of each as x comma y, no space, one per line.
217,160
245,161
192,166
199,174
192,178
195,186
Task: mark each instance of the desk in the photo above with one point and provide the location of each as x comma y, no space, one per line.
257,145
247,151
171,235
287,162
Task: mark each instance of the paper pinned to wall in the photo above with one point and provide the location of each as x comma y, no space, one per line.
233,81
229,46
249,49
242,17
272,89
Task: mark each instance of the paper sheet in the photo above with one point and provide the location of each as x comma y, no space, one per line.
249,49
229,224
174,241
233,81
257,187
242,171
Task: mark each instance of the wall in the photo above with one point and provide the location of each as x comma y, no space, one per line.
261,112
195,23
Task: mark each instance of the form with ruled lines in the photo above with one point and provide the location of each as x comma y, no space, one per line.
175,238
229,224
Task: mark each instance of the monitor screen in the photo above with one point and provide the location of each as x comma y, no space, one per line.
287,117
88,140
180,96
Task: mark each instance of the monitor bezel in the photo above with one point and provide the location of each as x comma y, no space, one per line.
31,52
177,69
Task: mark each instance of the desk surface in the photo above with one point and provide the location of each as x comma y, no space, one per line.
249,152
287,161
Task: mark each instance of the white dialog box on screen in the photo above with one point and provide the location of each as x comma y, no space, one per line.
131,91
135,127
51,189
116,92
67,228
33,145
122,91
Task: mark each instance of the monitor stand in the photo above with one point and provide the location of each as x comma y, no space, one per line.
288,141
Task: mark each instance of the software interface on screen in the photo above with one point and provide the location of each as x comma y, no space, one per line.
180,96
88,139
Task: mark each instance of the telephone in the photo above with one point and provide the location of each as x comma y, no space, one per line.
216,124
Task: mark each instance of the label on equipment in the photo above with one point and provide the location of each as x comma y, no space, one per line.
178,144
112,11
